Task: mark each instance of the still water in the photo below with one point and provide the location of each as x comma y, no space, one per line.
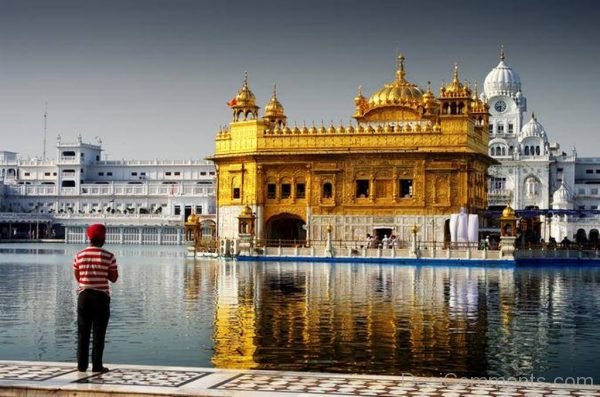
169,310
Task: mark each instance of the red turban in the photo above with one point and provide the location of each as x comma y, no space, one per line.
96,231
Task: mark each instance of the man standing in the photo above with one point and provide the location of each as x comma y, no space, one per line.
94,267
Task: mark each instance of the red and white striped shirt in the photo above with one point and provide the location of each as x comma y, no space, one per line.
93,264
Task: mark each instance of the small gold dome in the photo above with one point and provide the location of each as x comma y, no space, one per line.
331,128
245,97
508,212
359,98
399,92
274,108
246,212
192,218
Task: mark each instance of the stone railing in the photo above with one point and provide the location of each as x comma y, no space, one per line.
206,163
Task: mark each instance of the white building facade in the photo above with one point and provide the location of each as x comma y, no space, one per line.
533,172
137,199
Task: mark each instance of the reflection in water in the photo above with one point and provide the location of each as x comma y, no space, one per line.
399,319
306,316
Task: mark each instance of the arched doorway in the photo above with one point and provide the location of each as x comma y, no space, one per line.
581,236
286,229
593,237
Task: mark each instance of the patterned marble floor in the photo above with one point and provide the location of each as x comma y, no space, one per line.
32,372
62,379
144,377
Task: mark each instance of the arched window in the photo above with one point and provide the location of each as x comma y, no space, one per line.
504,151
526,150
537,150
531,187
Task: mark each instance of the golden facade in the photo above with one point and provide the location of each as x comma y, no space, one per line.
410,158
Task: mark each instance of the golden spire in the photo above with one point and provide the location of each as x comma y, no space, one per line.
245,84
502,52
400,73
475,91
359,97
455,79
274,90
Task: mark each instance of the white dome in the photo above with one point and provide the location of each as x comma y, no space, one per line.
561,196
533,129
502,80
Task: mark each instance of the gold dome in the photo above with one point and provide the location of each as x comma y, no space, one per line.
399,92
359,98
245,97
274,108
508,212
246,212
192,218
428,97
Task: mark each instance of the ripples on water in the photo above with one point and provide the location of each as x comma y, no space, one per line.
305,316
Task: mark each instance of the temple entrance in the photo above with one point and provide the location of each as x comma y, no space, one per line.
381,232
286,230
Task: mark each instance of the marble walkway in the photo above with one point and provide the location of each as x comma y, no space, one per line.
20,378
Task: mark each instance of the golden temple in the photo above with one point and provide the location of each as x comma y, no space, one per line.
410,158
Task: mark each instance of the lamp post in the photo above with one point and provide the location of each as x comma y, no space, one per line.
329,251
548,220
415,248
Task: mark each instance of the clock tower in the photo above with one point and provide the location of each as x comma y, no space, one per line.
502,91
522,177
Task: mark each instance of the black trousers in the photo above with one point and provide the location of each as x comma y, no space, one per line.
93,312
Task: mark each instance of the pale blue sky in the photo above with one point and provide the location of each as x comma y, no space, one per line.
151,78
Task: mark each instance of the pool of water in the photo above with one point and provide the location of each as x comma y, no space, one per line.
423,320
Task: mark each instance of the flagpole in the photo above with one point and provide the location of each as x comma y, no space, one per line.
45,130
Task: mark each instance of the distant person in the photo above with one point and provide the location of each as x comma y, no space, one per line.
385,241
369,241
94,267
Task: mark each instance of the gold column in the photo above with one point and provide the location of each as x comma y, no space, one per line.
395,186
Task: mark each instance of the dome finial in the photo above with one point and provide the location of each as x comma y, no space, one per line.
246,79
475,91
455,80
274,90
360,90
400,73
502,52
533,116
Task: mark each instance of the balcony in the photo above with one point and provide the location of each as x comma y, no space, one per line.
68,160
69,191
499,197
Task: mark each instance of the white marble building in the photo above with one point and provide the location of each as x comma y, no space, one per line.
533,172
79,187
